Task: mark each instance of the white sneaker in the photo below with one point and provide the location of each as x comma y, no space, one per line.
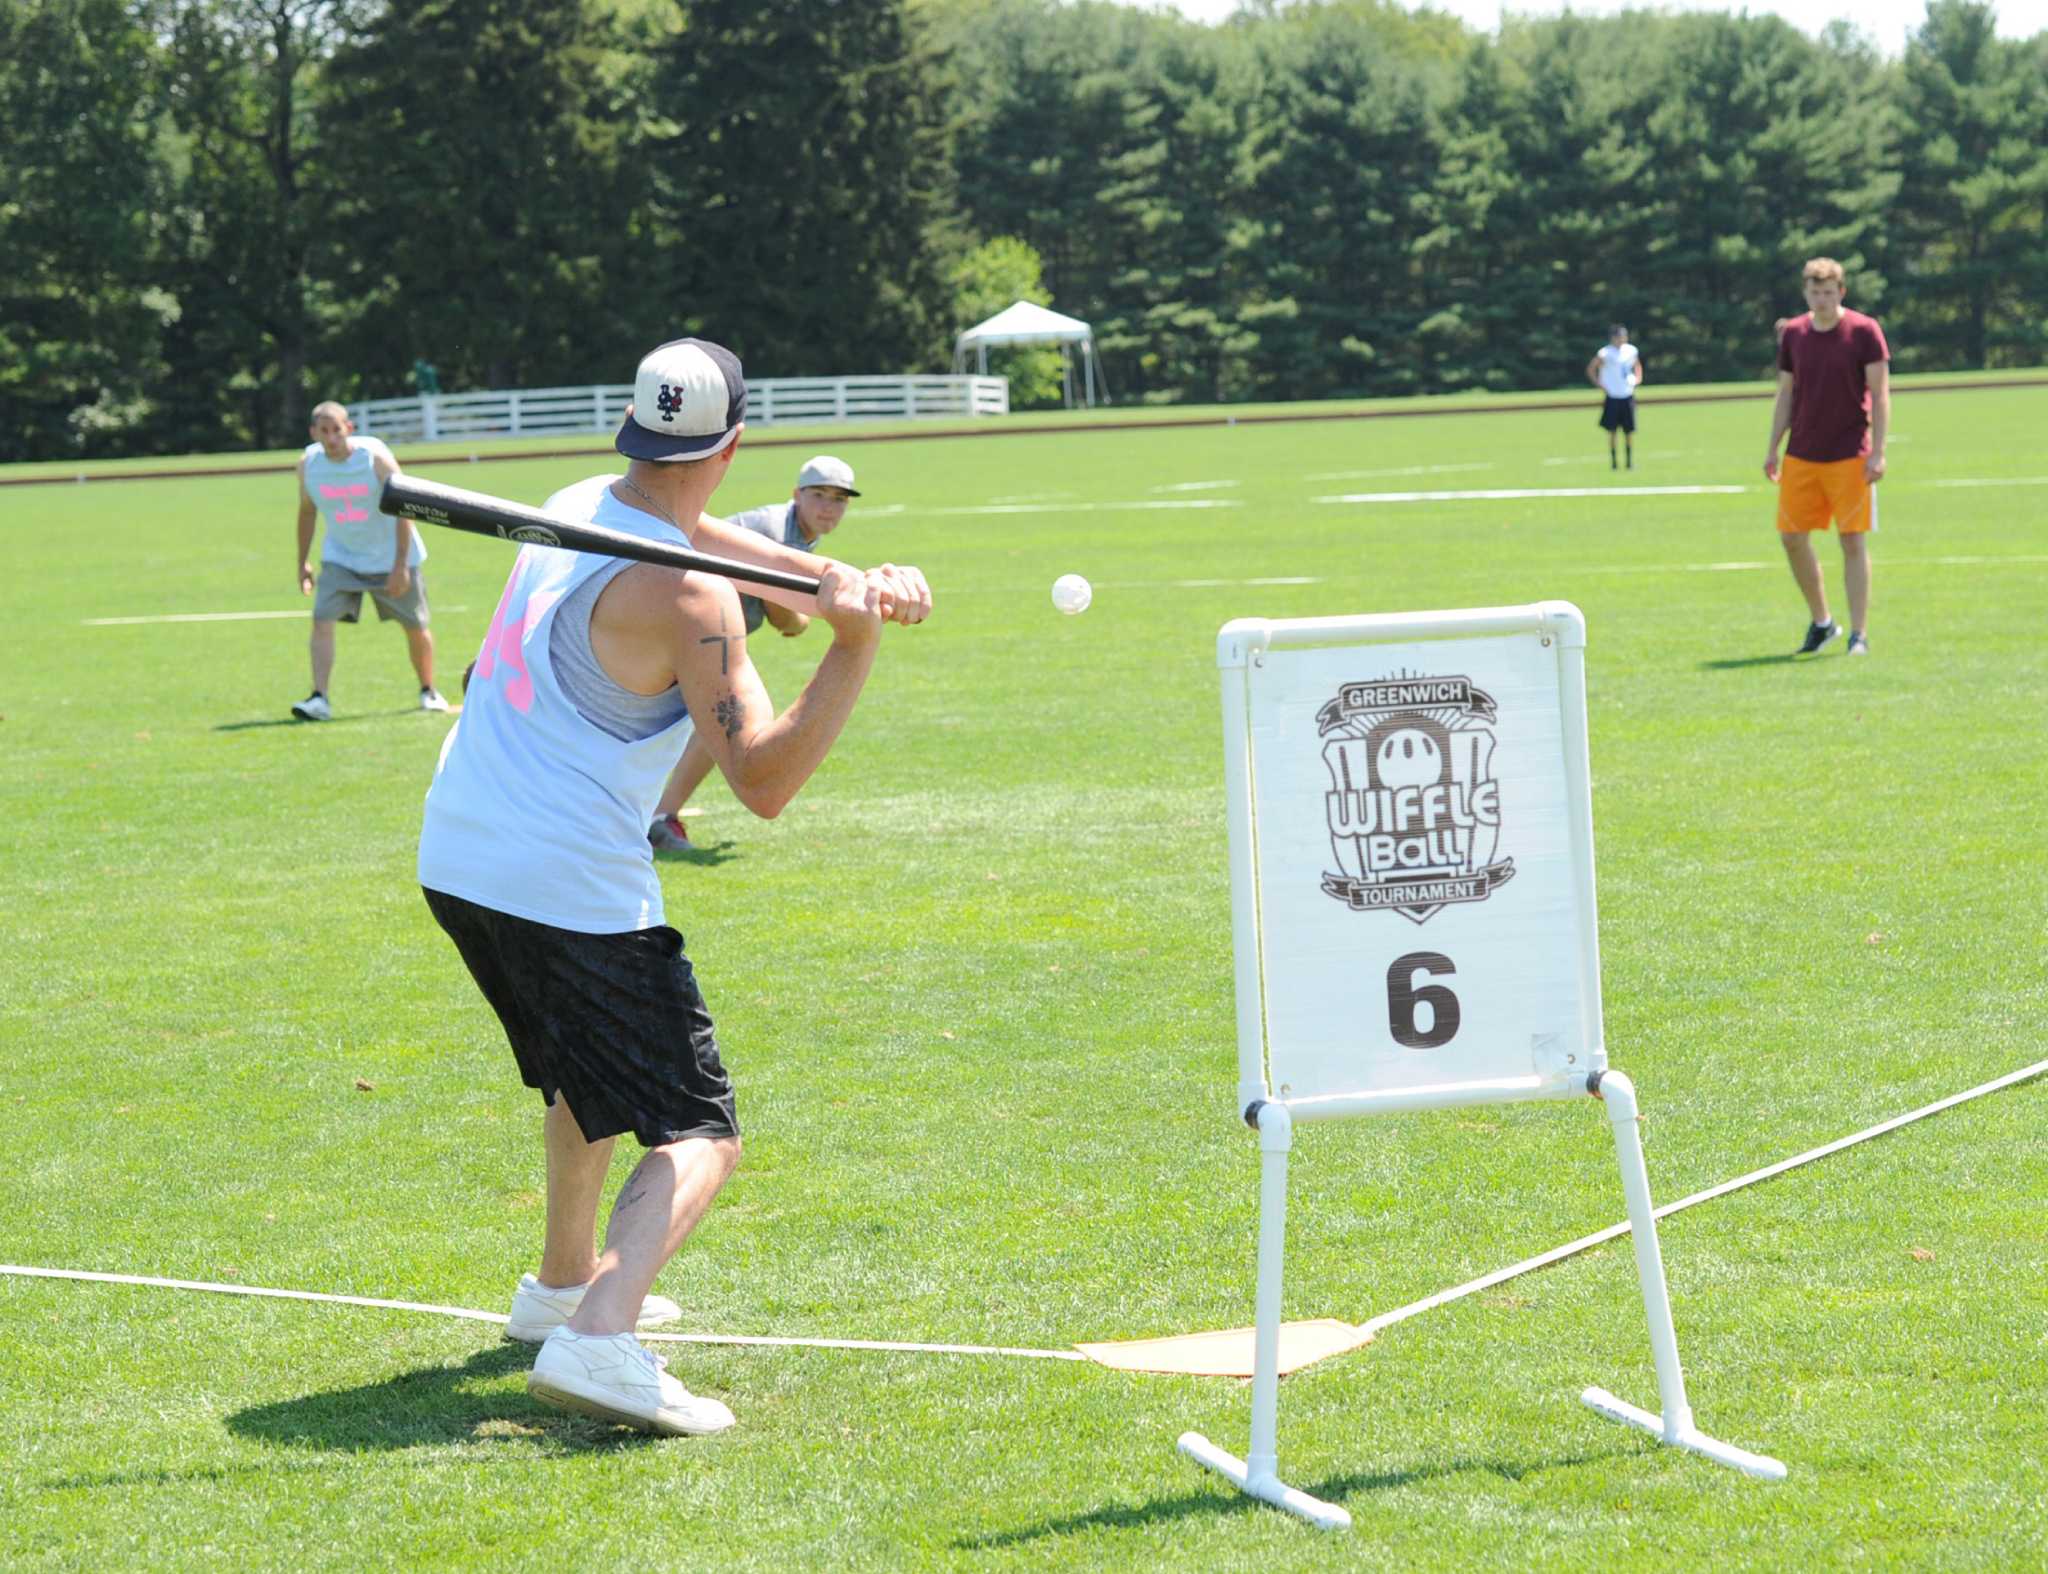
614,1378
539,1309
313,707
430,699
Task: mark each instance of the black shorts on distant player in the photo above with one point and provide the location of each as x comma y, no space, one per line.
1618,415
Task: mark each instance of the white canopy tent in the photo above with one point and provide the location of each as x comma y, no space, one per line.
1025,323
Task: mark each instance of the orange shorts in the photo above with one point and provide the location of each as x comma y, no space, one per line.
1810,495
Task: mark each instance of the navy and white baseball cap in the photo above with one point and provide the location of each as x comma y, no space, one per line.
689,397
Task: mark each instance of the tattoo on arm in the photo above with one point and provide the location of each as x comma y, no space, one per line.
724,643
727,711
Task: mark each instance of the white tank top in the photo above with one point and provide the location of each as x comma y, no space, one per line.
357,535
534,810
1617,362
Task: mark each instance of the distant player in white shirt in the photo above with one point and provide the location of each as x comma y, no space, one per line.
1615,370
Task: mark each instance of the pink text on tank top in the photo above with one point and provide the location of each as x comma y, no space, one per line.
506,640
347,514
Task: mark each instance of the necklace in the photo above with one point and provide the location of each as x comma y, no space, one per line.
663,513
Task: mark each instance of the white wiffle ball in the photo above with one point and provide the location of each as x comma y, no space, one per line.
1071,594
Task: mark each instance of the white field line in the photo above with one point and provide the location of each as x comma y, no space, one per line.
1594,458
1143,584
1028,504
1613,1231
1679,568
1210,584
1367,475
1374,1325
212,617
1519,493
1889,562
194,617
2002,557
1077,508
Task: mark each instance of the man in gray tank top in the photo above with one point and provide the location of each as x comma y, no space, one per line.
824,486
363,552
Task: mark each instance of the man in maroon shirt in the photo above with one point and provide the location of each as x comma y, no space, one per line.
1834,395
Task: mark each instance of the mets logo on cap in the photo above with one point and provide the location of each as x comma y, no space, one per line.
1414,807
689,399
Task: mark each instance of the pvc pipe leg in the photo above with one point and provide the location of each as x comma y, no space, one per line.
1675,1426
1265,1486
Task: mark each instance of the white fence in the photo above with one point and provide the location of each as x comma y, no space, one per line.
564,411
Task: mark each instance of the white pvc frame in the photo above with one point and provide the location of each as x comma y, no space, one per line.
1241,645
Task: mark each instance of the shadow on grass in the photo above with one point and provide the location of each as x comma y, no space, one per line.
1222,1499
213,1475
337,721
432,1406
1737,663
706,853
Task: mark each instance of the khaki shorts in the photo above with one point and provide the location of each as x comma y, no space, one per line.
338,597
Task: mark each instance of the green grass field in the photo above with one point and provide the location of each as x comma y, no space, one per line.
975,990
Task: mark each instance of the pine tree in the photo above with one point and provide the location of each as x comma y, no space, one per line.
1769,148
1971,216
478,209
1350,146
81,317
802,191
244,73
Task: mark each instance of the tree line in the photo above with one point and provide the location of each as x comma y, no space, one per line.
214,212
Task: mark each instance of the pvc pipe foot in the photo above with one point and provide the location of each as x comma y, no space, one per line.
1686,1436
1265,1486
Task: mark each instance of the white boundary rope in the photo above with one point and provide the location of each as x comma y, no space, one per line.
1373,1326
865,1344
1613,1231
253,1289
475,1316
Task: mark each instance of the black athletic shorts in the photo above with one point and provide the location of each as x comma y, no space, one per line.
614,1023
1618,415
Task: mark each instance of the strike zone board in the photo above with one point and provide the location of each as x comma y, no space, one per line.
1411,857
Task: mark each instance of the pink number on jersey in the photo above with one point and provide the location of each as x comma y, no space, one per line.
506,639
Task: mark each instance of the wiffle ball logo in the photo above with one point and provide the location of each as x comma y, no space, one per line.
1414,807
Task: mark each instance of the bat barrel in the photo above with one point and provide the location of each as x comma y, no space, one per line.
481,514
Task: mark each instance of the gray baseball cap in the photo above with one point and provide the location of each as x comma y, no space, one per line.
824,470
